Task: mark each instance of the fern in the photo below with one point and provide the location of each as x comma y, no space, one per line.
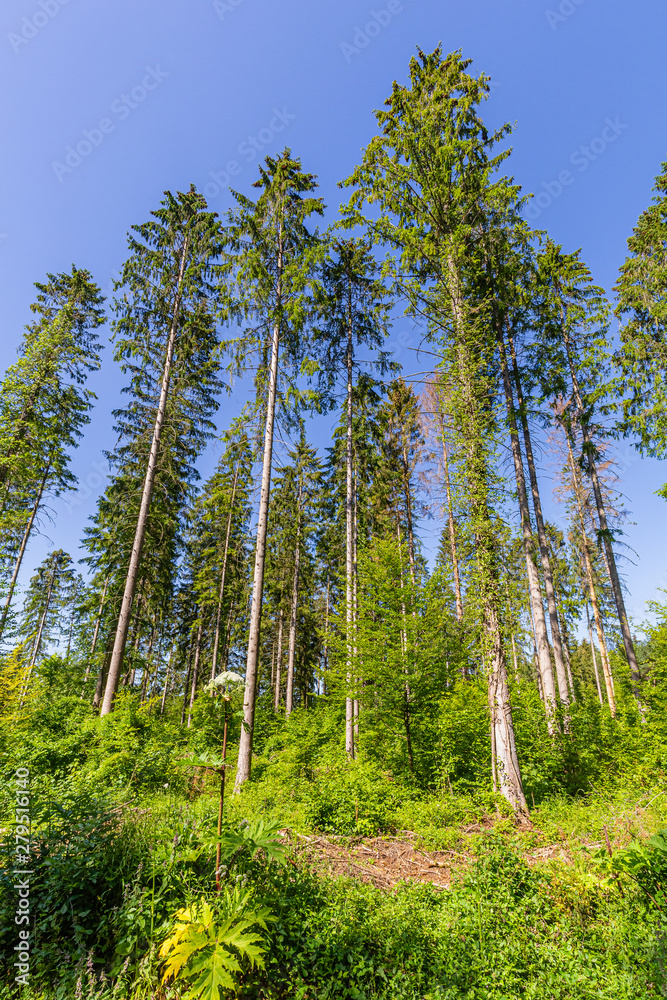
207,949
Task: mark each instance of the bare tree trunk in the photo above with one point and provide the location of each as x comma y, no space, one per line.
38,639
589,449
95,636
325,651
221,592
186,688
577,489
595,665
355,610
165,687
145,673
195,672
349,543
507,777
104,666
21,552
559,655
244,764
534,590
135,556
289,691
279,664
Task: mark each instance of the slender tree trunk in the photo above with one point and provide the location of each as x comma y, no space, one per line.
534,590
149,480
507,777
186,689
279,664
21,552
589,449
606,667
244,764
38,639
450,519
96,633
559,653
221,592
289,691
165,687
355,610
349,542
104,666
326,633
195,672
595,665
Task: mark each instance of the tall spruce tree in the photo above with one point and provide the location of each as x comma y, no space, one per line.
44,405
273,261
642,309
428,176
166,339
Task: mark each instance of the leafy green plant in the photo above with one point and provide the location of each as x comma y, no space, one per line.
209,949
644,863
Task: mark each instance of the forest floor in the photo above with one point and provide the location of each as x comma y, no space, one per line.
386,861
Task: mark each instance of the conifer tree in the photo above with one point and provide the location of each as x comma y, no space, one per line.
428,175
273,261
642,309
165,338
44,406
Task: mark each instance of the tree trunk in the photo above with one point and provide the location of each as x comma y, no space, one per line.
244,764
349,542
95,636
507,777
595,665
221,592
534,591
195,672
559,654
186,688
576,487
166,679
38,639
589,449
450,519
135,556
279,664
289,690
21,552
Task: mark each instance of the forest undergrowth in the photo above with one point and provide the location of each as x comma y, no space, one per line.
124,837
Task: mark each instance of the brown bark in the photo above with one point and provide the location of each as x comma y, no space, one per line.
349,542
279,664
195,673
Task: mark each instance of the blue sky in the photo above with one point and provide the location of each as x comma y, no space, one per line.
158,95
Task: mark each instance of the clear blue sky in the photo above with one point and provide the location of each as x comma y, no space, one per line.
172,92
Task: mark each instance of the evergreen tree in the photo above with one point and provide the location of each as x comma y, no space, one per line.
642,309
273,260
166,340
44,406
428,175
